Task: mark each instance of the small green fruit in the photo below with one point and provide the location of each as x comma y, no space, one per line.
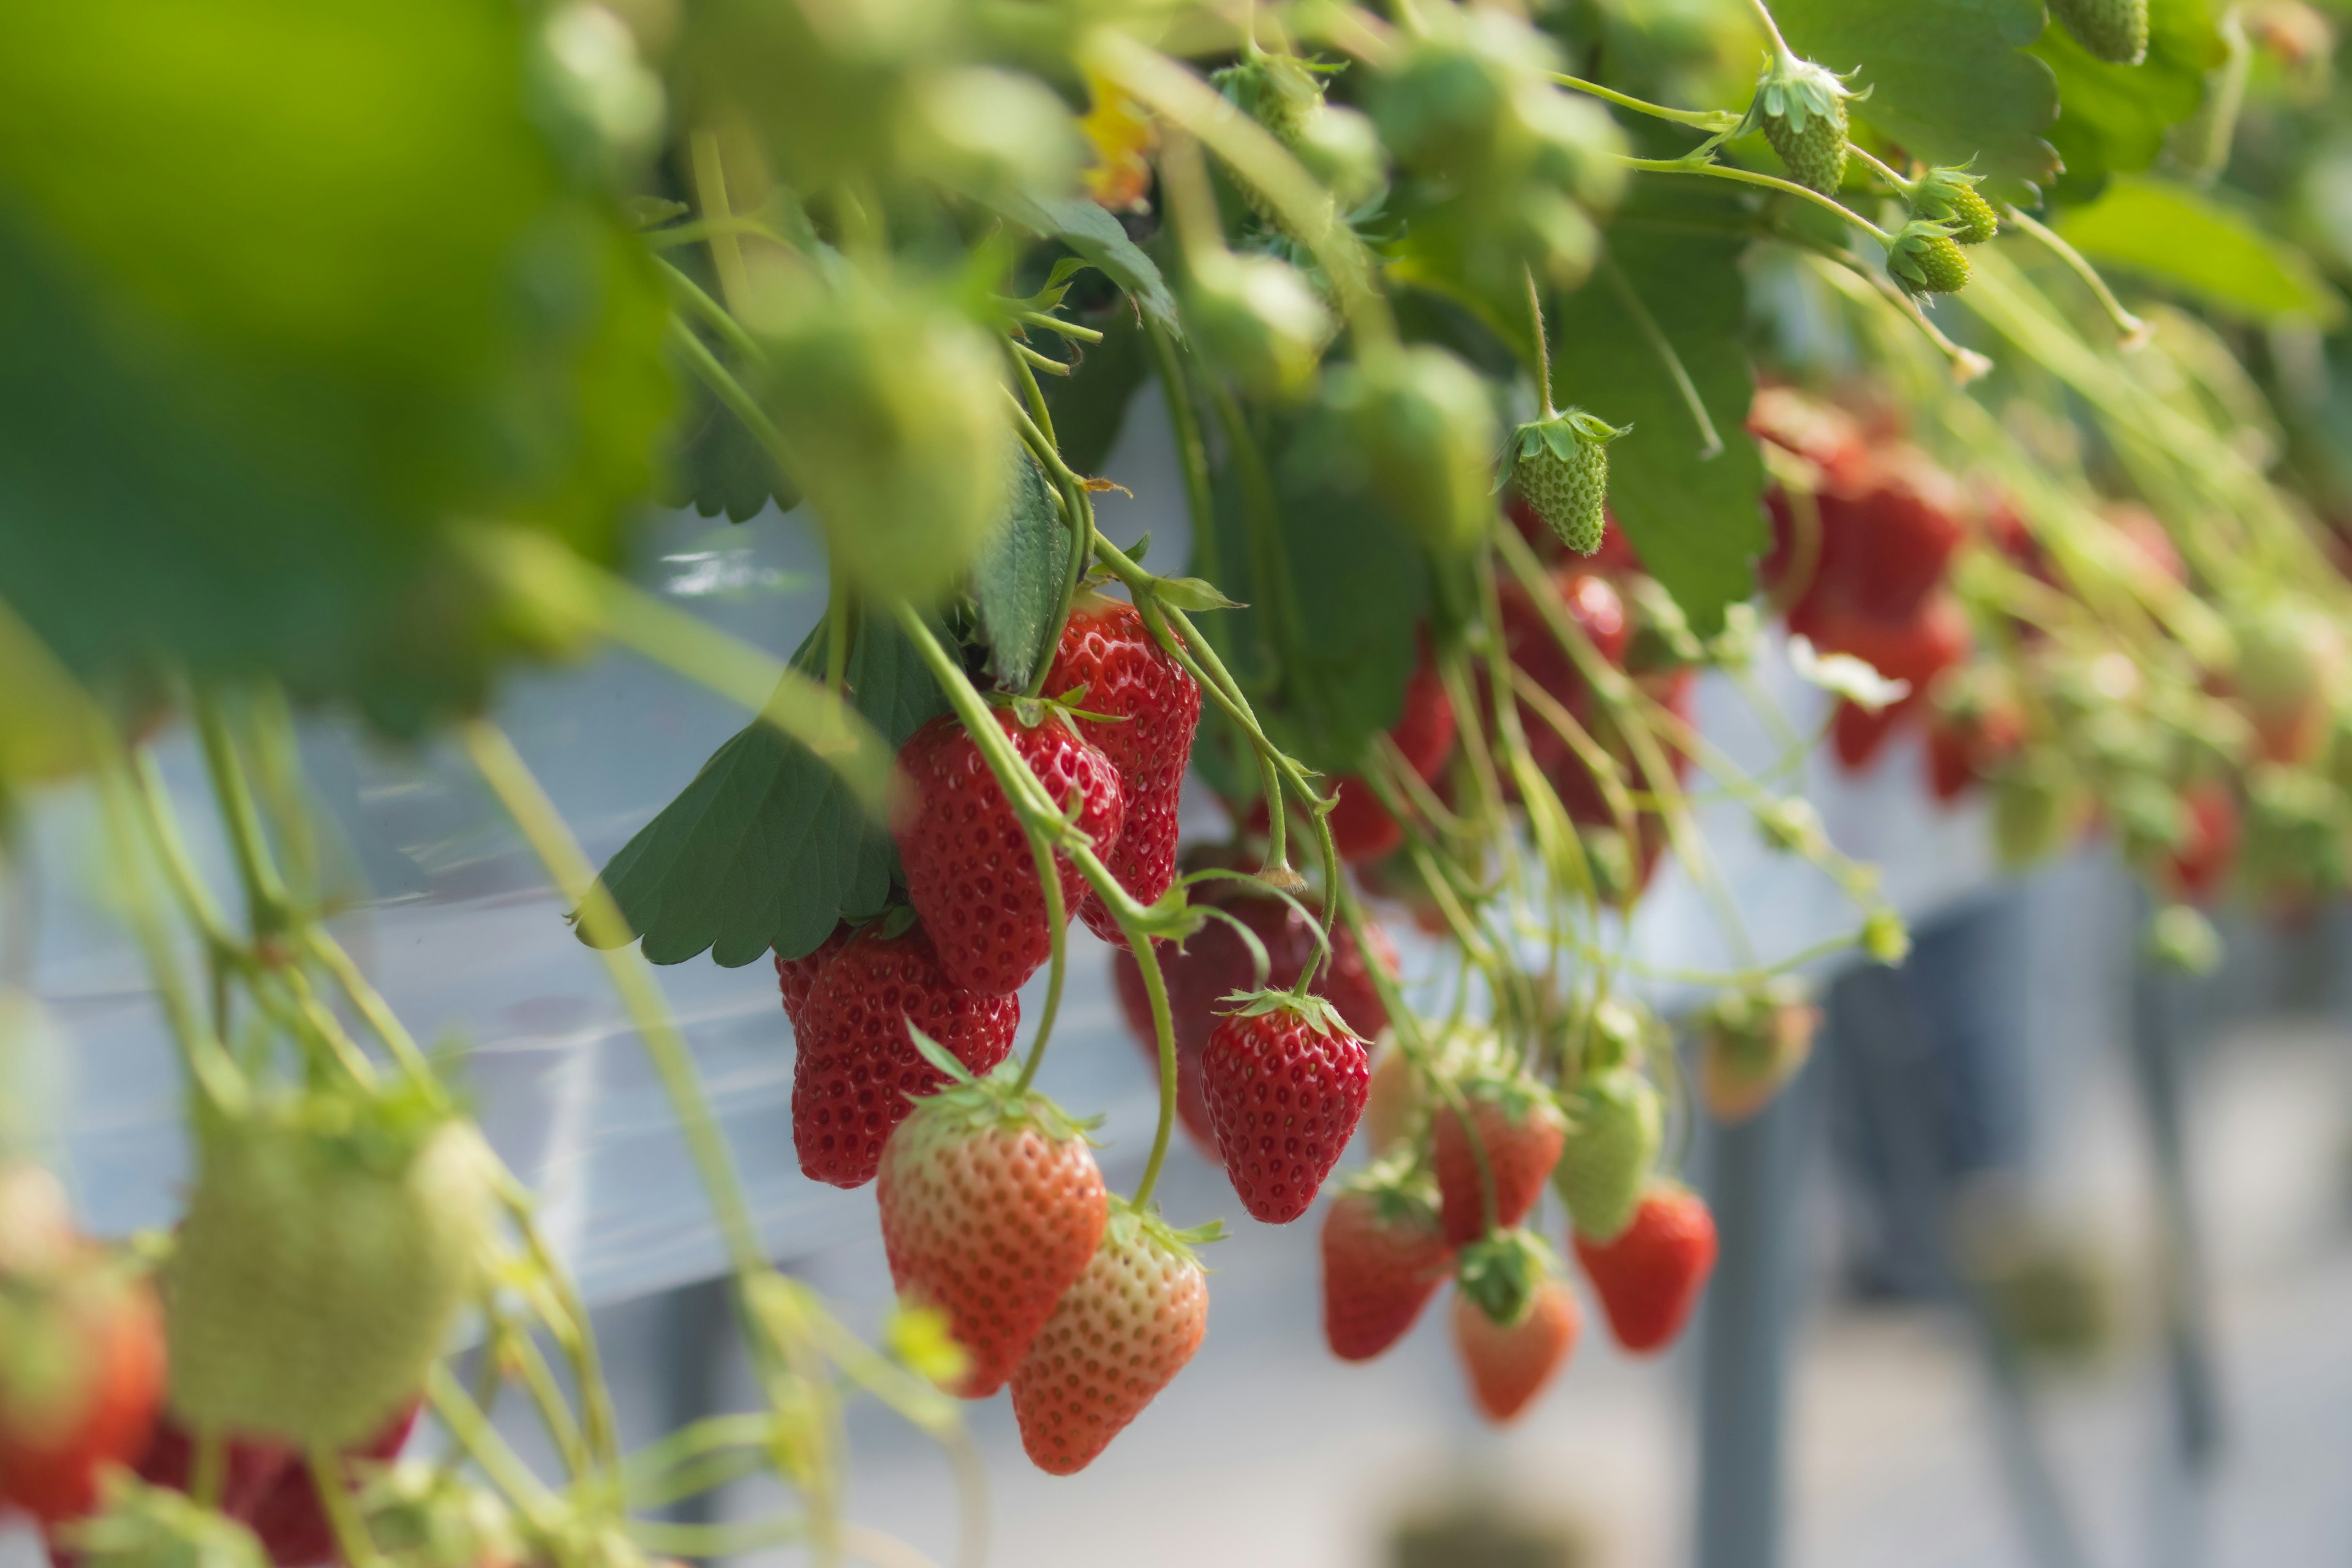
1951,197
1801,107
1926,259
1413,429
1616,1122
1561,466
330,1239
1256,318
2114,30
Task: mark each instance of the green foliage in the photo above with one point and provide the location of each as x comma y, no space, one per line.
2113,118
717,468
1696,520
1948,79
1020,574
2172,234
767,848
1095,234
287,291
1089,405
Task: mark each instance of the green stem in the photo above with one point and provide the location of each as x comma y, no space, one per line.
1715,120
713,314
710,194
352,1538
1765,181
2135,332
1542,343
1905,188
265,893
1781,50
455,1410
210,1464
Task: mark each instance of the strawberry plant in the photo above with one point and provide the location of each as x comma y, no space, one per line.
1519,422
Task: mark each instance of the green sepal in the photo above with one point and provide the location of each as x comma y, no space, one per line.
1501,1271
996,1101
1318,1013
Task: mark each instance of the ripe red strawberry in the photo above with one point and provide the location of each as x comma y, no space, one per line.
81,1376
1214,964
1917,650
1384,1254
858,1071
1156,707
2201,862
1970,740
1651,1277
1120,1334
1285,1081
968,870
1520,1125
1515,1324
990,1204
1821,433
1889,527
795,975
1362,828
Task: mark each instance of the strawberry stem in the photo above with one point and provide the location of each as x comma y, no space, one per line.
1542,343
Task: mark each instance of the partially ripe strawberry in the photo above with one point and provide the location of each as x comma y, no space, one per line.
331,1237
1214,964
1515,1324
992,1206
858,1073
1650,1277
81,1376
1392,1106
2292,661
1515,1120
1285,1081
2197,867
1972,735
1120,1334
1752,1042
1154,707
969,873
1384,1254
1615,1123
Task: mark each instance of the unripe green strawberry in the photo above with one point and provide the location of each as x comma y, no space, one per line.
331,1237
1412,428
1924,259
1616,1122
1561,468
1949,196
1801,107
157,1527
2114,30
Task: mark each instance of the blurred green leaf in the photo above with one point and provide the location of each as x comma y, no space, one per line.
2113,119
1019,577
1089,406
1093,234
2172,234
717,468
287,289
1697,520
767,848
1949,79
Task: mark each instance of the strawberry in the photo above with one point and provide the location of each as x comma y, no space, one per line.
795,975
1120,1334
81,1376
1926,259
2195,867
1593,605
2291,662
1154,707
1889,528
141,1526
1824,435
1917,651
1362,828
1514,1120
1949,196
968,870
1650,1277
2038,807
858,1072
2112,30
1974,733
331,1237
1214,964
1802,108
1751,1043
1515,1324
1615,1122
1561,464
1393,1104
1384,1254
1285,1081
992,1206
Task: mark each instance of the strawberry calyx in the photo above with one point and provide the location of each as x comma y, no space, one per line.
141,1526
1128,1224
1796,90
1501,1272
997,1099
1401,1190
1563,435
1316,1012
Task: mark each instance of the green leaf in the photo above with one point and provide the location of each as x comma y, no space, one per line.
1089,405
1949,79
767,848
2113,119
1019,577
2172,234
287,289
1093,234
1696,520
717,468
